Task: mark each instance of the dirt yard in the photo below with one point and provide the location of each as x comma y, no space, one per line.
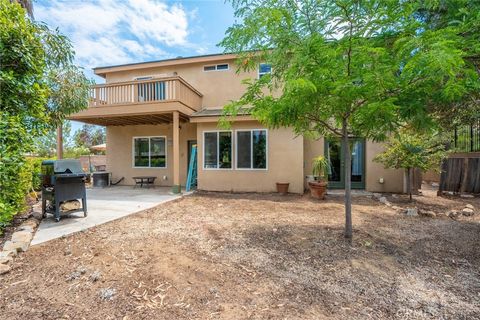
226,256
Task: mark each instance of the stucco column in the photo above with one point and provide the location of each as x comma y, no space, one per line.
176,153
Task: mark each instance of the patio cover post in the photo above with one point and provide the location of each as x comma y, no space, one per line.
176,153
59,142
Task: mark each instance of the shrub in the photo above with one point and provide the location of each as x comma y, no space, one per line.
36,164
76,152
40,86
15,186
23,176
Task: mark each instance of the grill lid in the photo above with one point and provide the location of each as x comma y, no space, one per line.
68,166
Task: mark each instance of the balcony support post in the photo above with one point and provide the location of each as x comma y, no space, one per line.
60,141
176,188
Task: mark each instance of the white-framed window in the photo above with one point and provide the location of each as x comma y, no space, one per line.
263,69
252,149
150,152
217,149
216,67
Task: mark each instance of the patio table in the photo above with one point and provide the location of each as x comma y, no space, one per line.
144,180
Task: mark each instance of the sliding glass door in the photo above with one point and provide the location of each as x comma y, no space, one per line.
336,173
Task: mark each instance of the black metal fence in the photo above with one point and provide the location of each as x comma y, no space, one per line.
467,138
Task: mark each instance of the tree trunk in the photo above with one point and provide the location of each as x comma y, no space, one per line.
60,142
409,183
348,183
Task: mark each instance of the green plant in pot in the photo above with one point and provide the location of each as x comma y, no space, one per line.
318,187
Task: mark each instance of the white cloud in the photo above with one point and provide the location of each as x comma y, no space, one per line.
154,20
111,32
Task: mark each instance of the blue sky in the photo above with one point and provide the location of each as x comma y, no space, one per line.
110,32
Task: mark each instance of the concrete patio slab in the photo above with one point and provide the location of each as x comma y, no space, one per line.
103,205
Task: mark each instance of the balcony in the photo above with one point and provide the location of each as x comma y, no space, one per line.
140,102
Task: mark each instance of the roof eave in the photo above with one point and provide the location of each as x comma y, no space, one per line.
102,71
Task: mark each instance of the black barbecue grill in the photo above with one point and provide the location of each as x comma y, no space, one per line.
62,180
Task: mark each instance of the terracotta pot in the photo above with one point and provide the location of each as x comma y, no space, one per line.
282,187
318,189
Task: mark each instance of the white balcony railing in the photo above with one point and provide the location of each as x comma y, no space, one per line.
146,91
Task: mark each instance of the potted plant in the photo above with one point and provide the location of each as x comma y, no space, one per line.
282,187
318,187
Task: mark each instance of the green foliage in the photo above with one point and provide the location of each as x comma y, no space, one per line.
371,70
342,68
461,19
35,163
408,149
45,145
75,152
12,198
40,86
75,146
89,135
319,167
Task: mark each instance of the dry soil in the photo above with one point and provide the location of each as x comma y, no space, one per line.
251,256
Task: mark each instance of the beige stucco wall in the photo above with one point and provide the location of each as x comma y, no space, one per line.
120,151
289,157
289,160
393,178
285,163
312,148
218,87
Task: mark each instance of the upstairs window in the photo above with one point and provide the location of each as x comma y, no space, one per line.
216,67
209,68
222,66
143,78
252,149
217,150
263,69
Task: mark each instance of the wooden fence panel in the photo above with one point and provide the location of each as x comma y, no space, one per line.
460,175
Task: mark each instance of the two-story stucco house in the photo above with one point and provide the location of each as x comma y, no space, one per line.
155,111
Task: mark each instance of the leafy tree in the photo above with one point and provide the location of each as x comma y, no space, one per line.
459,18
39,87
26,4
345,68
74,152
409,150
89,135
45,146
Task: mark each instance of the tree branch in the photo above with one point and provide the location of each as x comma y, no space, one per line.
313,118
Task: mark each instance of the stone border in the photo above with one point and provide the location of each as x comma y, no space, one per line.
20,241
468,210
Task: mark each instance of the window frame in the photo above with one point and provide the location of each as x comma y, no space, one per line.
216,67
143,78
149,152
218,149
251,149
259,74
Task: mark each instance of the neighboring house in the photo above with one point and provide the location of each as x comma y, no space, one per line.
155,111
